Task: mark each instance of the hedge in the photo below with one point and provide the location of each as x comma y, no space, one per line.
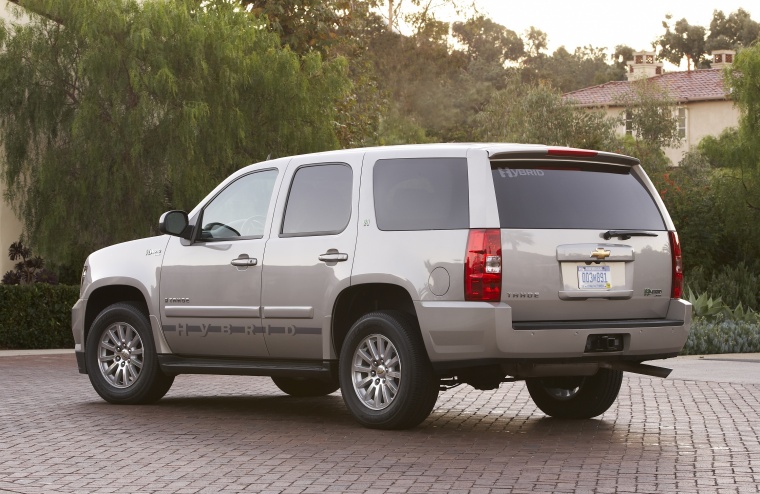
722,336
36,316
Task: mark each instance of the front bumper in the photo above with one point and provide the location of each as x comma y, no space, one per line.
77,328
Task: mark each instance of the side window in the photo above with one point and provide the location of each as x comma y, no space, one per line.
421,194
240,210
319,202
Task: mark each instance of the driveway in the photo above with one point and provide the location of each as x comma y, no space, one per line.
698,431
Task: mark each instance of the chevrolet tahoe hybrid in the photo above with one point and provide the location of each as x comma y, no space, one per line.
394,273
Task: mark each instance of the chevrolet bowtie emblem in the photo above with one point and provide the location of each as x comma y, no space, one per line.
600,253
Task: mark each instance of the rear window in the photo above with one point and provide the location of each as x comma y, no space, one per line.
421,194
582,197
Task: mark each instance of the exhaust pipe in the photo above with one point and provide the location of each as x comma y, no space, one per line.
637,368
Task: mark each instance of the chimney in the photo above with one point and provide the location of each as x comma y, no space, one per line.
643,65
722,58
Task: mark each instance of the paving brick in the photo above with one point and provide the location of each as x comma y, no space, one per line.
214,434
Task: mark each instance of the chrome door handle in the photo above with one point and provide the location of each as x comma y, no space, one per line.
333,257
244,261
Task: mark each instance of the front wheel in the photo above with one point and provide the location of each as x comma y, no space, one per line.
576,397
386,378
121,357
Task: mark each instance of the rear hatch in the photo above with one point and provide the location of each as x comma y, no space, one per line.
582,238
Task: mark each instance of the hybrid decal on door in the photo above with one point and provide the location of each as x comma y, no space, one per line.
186,329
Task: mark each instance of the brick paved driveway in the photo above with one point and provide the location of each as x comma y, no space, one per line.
228,434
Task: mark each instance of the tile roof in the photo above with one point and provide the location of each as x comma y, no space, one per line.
696,85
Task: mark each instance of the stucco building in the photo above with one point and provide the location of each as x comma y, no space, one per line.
10,226
703,103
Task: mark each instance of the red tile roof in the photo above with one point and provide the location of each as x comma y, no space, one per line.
696,85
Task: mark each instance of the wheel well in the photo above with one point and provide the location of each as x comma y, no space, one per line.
108,295
358,300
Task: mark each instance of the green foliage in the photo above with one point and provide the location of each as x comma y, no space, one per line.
539,115
722,336
487,41
684,41
732,32
743,80
649,111
704,305
29,269
36,316
738,285
125,109
585,66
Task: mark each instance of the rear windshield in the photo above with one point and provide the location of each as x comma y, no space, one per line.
531,195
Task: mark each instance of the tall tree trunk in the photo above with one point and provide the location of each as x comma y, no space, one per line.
390,16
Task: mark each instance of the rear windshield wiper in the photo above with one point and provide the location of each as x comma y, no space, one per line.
626,234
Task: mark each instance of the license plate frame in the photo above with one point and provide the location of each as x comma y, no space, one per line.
594,277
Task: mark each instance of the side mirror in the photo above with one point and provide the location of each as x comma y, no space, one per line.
174,223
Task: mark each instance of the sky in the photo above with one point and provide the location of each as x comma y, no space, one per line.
605,23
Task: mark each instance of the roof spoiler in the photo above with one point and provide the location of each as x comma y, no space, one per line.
565,154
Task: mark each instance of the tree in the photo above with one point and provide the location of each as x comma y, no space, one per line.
736,31
486,41
743,80
650,114
537,41
124,109
684,41
538,114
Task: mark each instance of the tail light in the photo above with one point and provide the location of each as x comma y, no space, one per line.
675,249
482,269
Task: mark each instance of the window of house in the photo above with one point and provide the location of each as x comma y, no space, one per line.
682,123
628,122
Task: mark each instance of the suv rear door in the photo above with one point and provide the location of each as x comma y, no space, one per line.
564,256
309,254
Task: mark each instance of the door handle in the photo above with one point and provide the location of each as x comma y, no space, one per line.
244,261
333,257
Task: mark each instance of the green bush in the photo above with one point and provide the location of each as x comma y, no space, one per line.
36,316
733,284
722,336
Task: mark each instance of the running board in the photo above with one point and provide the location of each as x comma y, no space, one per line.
637,368
173,365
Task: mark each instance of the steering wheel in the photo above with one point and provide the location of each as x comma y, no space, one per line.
216,224
254,224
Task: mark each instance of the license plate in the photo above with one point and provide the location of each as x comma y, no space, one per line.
594,277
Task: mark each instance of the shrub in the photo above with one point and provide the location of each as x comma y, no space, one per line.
36,316
733,284
722,336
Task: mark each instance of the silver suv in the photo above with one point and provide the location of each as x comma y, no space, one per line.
394,273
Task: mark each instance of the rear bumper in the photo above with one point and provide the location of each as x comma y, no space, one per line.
482,331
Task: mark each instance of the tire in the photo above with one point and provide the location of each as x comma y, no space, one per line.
305,387
576,397
127,374
395,388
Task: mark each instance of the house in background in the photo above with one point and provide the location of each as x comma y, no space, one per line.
10,225
703,103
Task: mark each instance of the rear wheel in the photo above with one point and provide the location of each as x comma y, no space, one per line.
304,387
386,378
576,397
121,357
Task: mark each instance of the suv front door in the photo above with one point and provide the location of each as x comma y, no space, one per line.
210,288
